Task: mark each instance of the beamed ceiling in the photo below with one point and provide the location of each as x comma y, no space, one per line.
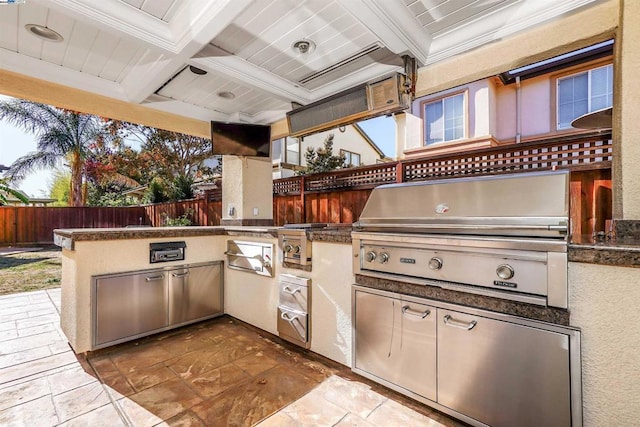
143,51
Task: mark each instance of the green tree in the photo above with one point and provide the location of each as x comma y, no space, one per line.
60,187
322,159
6,190
182,188
61,136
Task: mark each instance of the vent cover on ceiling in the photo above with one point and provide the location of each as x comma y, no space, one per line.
383,97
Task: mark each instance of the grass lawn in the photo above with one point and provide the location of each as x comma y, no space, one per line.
29,269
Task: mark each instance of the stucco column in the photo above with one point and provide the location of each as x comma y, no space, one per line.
247,191
626,126
408,133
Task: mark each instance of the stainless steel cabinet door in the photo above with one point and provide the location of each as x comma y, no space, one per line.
396,341
194,293
129,305
415,348
501,373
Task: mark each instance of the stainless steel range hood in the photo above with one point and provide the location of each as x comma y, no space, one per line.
526,204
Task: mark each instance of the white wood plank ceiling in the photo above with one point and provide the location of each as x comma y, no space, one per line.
140,50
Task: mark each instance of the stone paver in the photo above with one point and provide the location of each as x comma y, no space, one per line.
219,372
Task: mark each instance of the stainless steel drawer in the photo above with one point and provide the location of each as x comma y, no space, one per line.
294,297
293,326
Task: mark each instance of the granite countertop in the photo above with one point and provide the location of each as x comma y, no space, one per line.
65,238
623,252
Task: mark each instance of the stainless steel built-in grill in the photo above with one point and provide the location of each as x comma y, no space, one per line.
501,236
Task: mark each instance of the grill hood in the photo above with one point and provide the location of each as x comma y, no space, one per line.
525,204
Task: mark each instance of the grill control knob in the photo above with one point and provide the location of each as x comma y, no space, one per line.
383,258
505,271
297,249
371,256
288,248
435,263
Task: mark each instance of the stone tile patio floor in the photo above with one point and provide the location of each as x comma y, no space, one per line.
216,373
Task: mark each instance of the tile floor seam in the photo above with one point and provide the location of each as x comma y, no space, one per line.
123,416
342,419
52,301
40,372
55,408
377,406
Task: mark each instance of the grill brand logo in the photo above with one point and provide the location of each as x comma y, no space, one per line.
442,208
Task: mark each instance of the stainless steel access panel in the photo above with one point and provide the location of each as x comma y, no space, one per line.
485,368
396,341
194,293
129,305
503,373
293,310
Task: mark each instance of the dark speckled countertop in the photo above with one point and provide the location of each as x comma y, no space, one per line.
66,238
623,252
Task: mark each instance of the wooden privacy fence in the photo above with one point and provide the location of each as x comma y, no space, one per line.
31,225
340,196
200,211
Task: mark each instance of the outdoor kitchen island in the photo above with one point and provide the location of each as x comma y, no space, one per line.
252,298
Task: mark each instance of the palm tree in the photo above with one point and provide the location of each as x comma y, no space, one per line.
5,190
61,135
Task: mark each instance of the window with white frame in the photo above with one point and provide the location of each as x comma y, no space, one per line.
444,119
350,158
276,150
293,151
286,150
583,93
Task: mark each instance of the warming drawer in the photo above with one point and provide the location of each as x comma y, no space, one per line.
293,309
251,257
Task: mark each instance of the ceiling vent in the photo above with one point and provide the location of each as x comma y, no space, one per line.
362,102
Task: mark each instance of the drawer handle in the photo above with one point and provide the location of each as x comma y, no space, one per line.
450,321
288,290
421,314
286,317
154,278
185,274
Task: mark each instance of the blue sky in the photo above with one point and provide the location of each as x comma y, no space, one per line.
15,143
382,130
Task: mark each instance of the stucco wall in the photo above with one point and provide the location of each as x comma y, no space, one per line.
603,302
250,297
247,184
331,301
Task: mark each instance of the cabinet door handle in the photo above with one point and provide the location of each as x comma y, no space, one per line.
450,321
185,274
154,278
288,290
286,317
421,314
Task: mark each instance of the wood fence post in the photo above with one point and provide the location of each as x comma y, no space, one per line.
15,226
399,170
302,200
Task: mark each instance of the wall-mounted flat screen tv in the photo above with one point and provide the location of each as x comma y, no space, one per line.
241,139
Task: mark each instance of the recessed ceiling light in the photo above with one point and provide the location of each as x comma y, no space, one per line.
303,47
44,33
226,94
196,70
